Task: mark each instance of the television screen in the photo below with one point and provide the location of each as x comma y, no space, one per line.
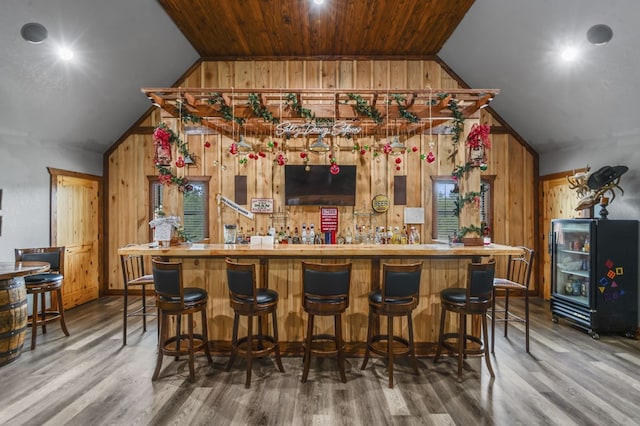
318,187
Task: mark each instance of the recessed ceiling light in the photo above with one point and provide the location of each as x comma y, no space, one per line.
599,34
65,53
318,1
34,32
569,54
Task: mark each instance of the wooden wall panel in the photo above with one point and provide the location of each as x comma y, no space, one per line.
132,162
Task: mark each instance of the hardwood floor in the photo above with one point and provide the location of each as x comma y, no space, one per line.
90,378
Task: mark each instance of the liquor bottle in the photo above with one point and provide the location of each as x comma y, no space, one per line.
296,236
414,236
404,238
311,235
348,238
303,237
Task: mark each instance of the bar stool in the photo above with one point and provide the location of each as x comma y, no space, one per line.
518,277
248,300
398,297
325,293
39,285
173,299
475,299
133,275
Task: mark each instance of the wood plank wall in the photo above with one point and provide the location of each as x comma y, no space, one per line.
131,162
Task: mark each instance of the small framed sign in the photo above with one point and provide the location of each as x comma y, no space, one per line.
262,205
380,203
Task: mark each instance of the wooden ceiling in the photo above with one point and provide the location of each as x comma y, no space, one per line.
300,28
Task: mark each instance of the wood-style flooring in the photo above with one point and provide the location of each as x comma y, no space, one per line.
89,378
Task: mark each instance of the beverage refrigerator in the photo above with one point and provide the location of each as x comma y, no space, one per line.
594,274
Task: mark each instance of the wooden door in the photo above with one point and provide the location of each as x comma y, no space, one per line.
558,202
76,224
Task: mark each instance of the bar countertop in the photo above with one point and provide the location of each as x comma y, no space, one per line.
310,251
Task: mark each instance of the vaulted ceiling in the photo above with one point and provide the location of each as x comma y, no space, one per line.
512,45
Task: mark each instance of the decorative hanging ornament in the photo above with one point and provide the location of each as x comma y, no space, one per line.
430,157
334,169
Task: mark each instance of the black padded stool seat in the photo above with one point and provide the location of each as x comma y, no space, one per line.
325,293
38,285
398,297
475,299
248,300
173,299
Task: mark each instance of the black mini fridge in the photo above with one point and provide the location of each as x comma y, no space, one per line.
594,274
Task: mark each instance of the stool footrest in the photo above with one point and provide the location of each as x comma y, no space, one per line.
169,347
381,347
256,351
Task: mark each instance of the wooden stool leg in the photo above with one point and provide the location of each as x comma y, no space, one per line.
307,349
205,334
506,311
340,347
443,313
526,318
178,333
461,344
260,333
486,348
276,342
412,352
162,325
234,341
369,337
192,369
124,316
34,321
390,349
43,302
493,321
247,383
144,308
63,324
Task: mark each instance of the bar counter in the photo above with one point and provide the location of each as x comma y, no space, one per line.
280,269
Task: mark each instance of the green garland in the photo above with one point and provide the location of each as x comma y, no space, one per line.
261,111
458,171
411,118
365,109
186,116
225,110
468,198
292,102
464,230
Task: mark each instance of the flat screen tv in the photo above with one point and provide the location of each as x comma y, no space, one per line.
318,187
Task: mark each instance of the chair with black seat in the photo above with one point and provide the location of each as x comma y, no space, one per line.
248,300
133,274
325,293
398,297
519,270
39,285
475,299
173,299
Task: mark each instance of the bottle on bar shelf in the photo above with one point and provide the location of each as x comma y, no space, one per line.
311,235
404,238
348,238
303,237
296,236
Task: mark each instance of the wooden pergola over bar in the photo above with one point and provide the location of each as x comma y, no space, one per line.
376,112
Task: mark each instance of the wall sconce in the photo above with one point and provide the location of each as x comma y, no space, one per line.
319,145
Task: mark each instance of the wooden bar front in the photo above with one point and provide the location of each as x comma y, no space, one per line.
280,269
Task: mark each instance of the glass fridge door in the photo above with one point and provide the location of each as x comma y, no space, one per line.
572,249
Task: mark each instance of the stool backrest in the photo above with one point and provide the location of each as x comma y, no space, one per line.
132,266
326,279
401,281
241,279
520,267
53,255
167,281
480,281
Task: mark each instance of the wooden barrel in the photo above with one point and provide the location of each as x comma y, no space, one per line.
13,318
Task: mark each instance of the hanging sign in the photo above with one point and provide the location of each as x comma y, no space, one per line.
328,219
234,206
339,128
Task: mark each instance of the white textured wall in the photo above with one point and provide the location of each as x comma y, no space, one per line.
24,180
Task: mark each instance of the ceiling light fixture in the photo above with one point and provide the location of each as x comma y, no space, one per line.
65,53
318,1
569,54
319,145
599,34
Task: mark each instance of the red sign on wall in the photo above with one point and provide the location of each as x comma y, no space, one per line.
328,219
